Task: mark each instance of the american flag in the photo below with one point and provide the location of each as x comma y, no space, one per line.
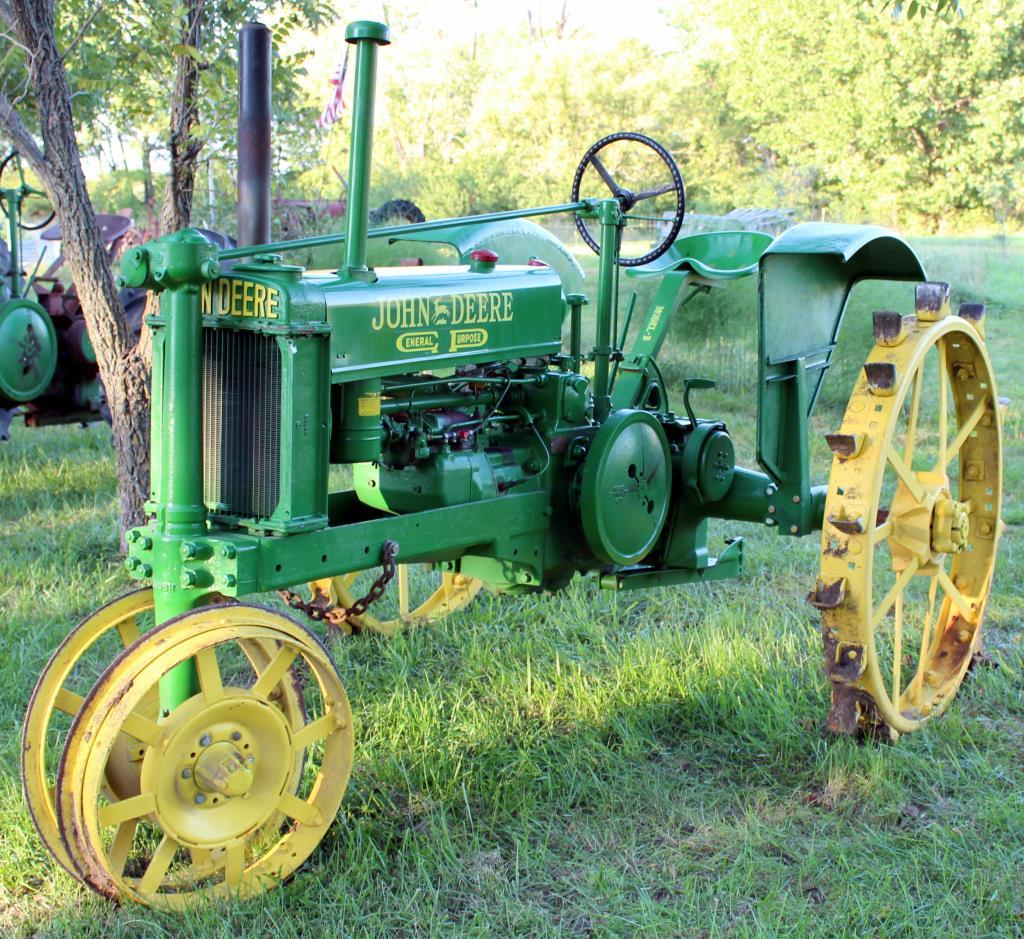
336,102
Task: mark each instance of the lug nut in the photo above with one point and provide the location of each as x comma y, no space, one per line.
205,740
186,773
200,798
236,735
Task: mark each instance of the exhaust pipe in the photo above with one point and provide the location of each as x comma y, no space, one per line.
253,134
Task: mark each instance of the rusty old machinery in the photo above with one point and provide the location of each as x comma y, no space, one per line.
483,454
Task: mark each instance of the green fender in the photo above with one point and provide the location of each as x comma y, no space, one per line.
806,276
515,242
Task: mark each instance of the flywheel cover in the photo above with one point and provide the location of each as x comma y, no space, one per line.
626,487
28,351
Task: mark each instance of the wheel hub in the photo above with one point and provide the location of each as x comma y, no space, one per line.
912,520
951,526
220,769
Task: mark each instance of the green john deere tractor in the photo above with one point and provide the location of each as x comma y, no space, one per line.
213,752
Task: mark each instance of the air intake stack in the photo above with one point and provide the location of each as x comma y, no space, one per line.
365,35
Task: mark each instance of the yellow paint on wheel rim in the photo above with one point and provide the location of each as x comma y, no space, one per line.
912,525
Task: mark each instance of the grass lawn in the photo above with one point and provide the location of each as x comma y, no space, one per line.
587,764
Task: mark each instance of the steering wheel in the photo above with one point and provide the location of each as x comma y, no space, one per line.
654,177
26,190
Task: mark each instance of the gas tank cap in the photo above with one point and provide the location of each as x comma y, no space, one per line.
482,260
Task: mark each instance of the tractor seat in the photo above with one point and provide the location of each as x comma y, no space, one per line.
716,255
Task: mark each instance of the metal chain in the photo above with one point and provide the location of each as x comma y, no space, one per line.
320,608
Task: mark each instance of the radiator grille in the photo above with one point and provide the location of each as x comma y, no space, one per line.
241,422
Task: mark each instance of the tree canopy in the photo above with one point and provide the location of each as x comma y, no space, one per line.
906,114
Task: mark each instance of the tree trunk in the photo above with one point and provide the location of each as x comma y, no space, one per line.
125,374
149,190
185,148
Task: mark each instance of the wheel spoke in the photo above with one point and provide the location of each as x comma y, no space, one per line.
943,404
114,813
897,647
403,590
881,532
209,674
965,431
68,702
651,193
915,409
128,630
142,728
299,809
957,598
314,731
275,670
894,591
234,864
905,474
202,859
605,175
158,865
926,631
117,856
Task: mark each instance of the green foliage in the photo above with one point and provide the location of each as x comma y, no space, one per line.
907,114
850,116
843,115
940,8
121,70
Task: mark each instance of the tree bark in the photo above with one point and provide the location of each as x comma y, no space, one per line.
58,164
185,148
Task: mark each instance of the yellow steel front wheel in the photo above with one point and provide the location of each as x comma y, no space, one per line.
220,808
420,593
58,697
912,519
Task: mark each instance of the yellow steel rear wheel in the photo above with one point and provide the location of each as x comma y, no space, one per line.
912,519
80,658
218,771
419,594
